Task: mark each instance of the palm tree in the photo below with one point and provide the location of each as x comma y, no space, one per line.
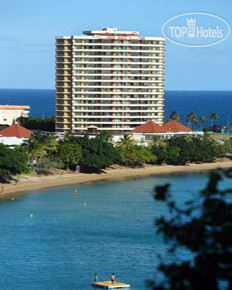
202,120
175,116
125,141
40,144
191,119
156,141
214,116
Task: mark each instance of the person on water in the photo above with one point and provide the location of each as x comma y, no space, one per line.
112,278
95,277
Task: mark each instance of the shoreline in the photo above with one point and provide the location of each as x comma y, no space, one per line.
30,183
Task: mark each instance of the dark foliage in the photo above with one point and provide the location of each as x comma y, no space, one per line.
215,128
70,154
136,156
97,153
204,227
11,162
33,123
181,150
175,116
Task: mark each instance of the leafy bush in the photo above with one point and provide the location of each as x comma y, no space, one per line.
70,154
203,227
11,162
166,154
33,123
97,153
136,155
215,128
181,150
39,145
47,165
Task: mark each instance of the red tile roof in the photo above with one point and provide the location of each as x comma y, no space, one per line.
16,130
175,127
170,127
149,127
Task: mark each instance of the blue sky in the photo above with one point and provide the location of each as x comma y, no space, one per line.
28,29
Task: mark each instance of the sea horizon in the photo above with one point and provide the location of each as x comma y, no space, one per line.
109,176
45,89
202,102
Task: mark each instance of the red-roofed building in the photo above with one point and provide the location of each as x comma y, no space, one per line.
150,129
14,135
17,131
175,127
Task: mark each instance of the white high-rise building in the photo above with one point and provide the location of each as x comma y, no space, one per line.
110,79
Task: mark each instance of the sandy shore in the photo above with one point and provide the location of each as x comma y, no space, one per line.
28,183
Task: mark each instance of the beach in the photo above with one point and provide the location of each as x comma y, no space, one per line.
28,183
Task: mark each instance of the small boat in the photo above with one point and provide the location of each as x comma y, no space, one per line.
110,285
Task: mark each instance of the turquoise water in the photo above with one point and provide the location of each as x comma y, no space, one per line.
66,242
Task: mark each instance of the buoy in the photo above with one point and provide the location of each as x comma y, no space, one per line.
31,215
84,204
75,191
12,198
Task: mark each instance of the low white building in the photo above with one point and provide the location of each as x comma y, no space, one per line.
147,131
14,135
9,114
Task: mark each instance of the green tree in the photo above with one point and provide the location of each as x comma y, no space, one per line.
47,164
34,123
181,150
156,140
160,151
175,116
11,162
216,129
184,146
69,153
125,141
97,153
204,149
136,156
191,118
202,120
203,227
40,144
227,146
166,153
214,116
106,136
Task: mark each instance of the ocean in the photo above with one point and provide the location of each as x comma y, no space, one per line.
42,103
66,242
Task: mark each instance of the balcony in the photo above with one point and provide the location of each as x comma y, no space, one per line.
115,50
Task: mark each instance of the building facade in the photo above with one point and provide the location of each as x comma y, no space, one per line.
14,135
110,79
9,114
145,133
